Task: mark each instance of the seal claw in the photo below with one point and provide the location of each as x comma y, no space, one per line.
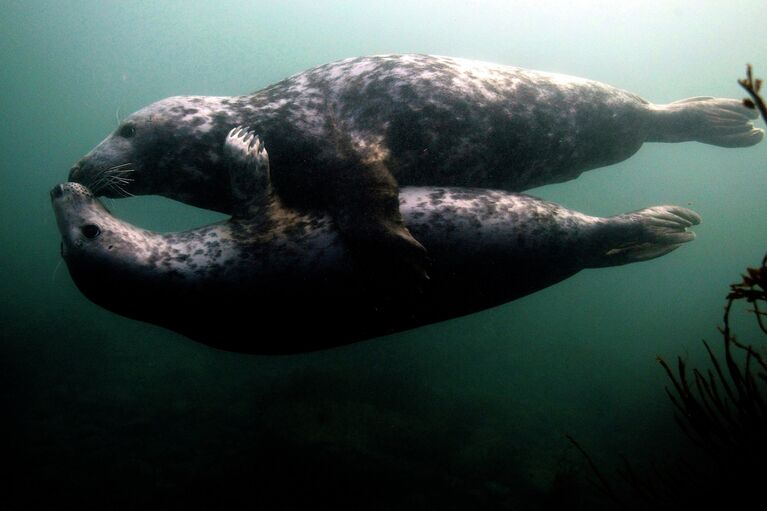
248,170
645,234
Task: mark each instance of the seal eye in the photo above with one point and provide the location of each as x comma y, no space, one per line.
90,231
127,131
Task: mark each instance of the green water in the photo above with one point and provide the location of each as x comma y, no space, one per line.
469,414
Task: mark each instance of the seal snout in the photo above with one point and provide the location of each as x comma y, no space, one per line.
57,192
69,189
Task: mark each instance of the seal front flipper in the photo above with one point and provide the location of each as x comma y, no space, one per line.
364,203
248,172
367,215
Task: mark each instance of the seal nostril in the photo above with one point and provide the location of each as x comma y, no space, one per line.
73,173
57,191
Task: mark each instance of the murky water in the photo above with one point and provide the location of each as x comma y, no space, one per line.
466,414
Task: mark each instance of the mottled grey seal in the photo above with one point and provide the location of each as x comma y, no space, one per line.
416,120
217,284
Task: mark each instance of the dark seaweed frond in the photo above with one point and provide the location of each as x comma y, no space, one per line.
752,87
722,410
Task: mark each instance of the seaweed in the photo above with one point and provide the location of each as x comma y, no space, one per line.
752,87
722,410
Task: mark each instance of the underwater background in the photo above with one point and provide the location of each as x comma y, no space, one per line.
467,414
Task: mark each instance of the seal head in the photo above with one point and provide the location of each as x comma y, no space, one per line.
171,148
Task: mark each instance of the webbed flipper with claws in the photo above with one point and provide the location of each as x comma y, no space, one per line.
248,171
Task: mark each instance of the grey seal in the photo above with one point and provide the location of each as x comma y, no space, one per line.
411,120
272,280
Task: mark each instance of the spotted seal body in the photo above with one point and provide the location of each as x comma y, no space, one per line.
293,270
433,121
416,120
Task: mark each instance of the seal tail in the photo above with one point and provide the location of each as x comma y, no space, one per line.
716,121
644,234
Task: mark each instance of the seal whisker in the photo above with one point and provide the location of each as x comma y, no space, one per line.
121,179
102,183
118,118
120,190
113,178
122,165
97,184
122,174
119,172
112,188
56,270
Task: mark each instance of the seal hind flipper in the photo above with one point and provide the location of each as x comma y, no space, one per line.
642,235
716,121
248,171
